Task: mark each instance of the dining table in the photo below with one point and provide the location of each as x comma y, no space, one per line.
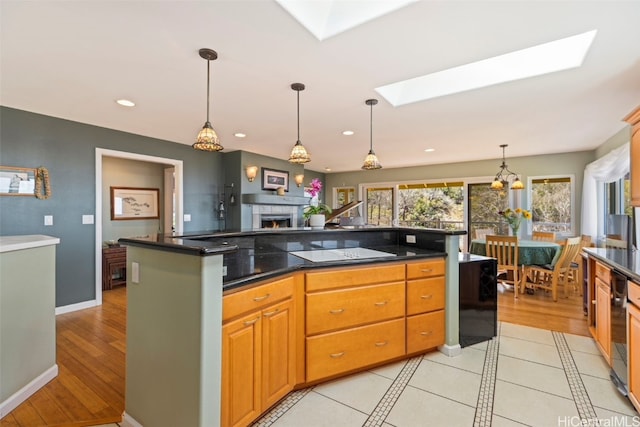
530,252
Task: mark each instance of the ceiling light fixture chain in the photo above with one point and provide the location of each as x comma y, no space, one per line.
299,154
371,161
504,176
207,139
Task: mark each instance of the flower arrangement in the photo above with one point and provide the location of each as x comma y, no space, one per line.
315,208
514,217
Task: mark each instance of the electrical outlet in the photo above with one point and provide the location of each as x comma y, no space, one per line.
411,238
224,270
135,272
48,220
87,219
187,217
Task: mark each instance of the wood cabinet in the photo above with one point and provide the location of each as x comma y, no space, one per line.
633,344
603,318
354,318
425,305
634,120
258,350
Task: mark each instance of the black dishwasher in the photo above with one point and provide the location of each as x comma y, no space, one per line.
478,298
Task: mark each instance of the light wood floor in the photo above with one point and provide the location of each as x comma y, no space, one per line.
89,388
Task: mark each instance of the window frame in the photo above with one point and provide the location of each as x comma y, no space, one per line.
572,180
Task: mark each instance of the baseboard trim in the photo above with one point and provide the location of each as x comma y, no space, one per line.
451,350
25,392
129,421
75,307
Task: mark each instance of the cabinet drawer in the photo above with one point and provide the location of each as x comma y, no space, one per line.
339,352
425,295
633,289
603,272
256,298
346,277
331,310
425,331
417,270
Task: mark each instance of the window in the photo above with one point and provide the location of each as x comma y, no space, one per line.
380,206
432,205
552,203
617,200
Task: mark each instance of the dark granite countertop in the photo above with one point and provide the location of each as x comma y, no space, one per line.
625,261
252,256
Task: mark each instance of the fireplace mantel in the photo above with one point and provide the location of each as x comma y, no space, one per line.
269,199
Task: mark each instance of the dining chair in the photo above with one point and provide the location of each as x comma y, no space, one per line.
482,233
575,268
611,243
544,236
550,277
505,250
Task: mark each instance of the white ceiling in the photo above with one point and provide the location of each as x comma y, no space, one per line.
73,59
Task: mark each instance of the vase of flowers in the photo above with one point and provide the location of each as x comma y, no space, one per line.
514,218
315,212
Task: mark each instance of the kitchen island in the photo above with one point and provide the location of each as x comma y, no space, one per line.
180,328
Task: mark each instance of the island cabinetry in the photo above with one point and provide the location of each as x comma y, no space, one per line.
425,305
633,326
258,350
603,309
355,317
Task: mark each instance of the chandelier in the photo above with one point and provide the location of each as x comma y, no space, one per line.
505,176
207,139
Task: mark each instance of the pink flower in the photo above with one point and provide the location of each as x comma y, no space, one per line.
315,188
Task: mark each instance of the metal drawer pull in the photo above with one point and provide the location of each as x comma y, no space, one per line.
426,334
271,313
336,355
251,322
257,299
338,311
427,296
382,343
380,304
427,270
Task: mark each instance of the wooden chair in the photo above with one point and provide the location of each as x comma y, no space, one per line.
482,233
549,277
575,268
544,236
611,243
505,250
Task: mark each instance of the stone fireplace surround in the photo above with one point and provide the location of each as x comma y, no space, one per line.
259,212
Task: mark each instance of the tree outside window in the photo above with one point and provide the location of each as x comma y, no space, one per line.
551,204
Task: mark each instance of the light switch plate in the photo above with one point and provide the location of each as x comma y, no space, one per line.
48,220
187,217
135,272
411,238
87,219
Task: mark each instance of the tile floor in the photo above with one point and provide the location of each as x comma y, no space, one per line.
524,377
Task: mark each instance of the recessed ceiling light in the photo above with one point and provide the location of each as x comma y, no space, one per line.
542,59
327,169
429,150
347,132
326,18
126,103
240,135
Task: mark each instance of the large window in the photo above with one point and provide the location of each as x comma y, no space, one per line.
380,206
552,203
617,201
432,205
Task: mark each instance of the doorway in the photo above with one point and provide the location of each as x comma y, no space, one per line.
177,217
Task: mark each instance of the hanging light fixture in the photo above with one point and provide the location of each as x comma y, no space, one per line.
207,139
299,154
371,161
504,176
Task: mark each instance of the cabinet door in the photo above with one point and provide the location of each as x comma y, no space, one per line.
603,318
633,329
278,352
241,370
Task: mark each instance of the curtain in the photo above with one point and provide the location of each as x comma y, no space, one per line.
609,168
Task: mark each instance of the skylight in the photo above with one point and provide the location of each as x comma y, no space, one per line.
542,59
327,18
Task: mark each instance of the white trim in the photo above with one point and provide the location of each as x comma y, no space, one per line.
129,421
25,392
572,181
100,153
78,306
450,350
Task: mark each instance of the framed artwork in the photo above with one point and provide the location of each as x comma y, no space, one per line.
273,179
129,203
17,181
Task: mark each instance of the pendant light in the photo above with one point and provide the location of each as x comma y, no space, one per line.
504,176
207,139
299,154
371,161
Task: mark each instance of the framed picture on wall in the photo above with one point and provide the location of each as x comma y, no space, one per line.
128,203
273,179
